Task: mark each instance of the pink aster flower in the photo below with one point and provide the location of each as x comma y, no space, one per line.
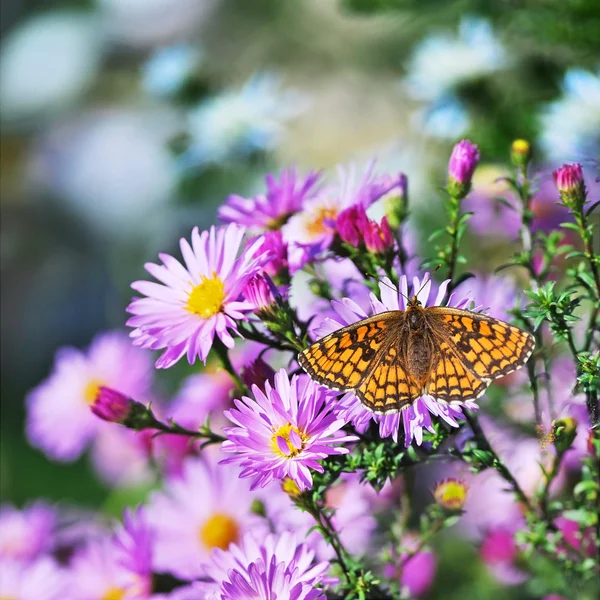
196,302
312,230
499,552
416,417
26,534
284,431
59,419
275,567
283,198
42,579
206,507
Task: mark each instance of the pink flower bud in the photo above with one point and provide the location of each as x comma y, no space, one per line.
378,238
351,224
111,405
570,184
463,161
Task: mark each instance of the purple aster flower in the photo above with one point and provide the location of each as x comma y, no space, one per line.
26,534
257,372
206,507
59,419
42,579
284,431
198,301
284,197
312,230
415,417
273,245
276,567
496,295
262,294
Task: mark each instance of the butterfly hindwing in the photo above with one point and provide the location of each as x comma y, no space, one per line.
449,380
342,359
489,348
388,388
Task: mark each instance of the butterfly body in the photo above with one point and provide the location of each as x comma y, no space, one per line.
391,359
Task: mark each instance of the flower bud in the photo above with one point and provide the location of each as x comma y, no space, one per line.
378,238
570,184
111,405
351,224
520,152
463,161
564,432
396,202
257,372
451,494
273,243
263,294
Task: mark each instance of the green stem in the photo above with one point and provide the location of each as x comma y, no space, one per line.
223,354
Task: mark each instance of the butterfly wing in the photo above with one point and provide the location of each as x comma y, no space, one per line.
388,388
487,347
449,380
344,358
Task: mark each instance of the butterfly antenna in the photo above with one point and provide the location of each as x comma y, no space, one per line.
427,279
395,289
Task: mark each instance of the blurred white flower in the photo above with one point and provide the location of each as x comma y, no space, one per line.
150,22
571,125
46,63
443,61
446,119
113,169
168,69
241,121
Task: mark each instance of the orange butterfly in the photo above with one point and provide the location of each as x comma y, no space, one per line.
391,359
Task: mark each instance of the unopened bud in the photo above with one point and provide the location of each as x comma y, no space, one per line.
520,152
451,494
564,432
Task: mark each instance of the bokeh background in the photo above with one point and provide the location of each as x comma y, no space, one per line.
126,122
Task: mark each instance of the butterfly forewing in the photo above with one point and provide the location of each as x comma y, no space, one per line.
342,359
489,348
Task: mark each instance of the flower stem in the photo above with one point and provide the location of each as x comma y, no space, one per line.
223,354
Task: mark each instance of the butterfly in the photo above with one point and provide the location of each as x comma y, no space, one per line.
391,359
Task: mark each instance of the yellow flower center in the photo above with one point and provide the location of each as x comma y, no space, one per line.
284,434
290,487
91,391
206,298
114,593
319,225
219,531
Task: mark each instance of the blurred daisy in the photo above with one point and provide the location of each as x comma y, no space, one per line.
207,507
276,567
446,119
198,301
59,419
283,432
416,417
240,122
442,62
26,534
169,69
571,125
283,198
43,579
116,566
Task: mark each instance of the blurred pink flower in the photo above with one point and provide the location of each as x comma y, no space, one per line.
499,552
42,579
207,507
28,533
59,419
417,574
282,199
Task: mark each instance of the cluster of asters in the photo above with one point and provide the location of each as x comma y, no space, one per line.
224,524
